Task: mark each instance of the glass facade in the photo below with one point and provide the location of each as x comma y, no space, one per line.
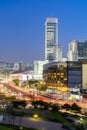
74,70
51,39
77,51
63,74
55,75
82,50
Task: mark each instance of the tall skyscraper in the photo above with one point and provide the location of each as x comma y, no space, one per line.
77,51
51,39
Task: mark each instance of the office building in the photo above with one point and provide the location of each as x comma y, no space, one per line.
38,66
77,51
55,75
63,74
6,66
74,73
51,39
59,53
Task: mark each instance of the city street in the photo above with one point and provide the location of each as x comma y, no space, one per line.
25,94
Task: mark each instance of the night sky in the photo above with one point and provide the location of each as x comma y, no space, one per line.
22,26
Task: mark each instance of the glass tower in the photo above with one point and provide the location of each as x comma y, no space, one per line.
51,39
77,51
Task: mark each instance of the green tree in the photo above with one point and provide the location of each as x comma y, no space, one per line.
55,107
75,108
66,106
19,104
16,82
46,105
38,104
80,127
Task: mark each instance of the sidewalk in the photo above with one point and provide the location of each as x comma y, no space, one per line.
34,123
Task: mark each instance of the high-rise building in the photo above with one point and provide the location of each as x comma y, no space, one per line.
51,39
59,53
77,51
38,66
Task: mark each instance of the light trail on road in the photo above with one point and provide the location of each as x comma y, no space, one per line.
30,95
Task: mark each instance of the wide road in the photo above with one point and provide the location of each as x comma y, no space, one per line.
31,95
28,93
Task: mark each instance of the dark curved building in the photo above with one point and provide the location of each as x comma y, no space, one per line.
63,74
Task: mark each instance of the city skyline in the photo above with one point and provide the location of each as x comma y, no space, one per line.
22,27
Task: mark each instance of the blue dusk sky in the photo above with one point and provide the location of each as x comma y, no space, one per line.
22,26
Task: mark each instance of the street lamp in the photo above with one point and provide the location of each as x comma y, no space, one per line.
35,116
81,120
